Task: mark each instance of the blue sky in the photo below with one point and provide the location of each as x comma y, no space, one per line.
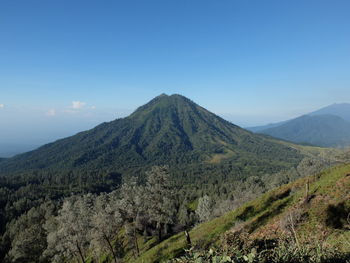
66,66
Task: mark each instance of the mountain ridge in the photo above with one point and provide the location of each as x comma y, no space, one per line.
338,109
326,127
320,130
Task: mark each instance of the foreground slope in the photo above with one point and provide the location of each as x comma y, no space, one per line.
323,217
170,130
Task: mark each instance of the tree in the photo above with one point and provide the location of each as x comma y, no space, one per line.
106,221
183,216
28,235
204,209
131,206
160,198
68,232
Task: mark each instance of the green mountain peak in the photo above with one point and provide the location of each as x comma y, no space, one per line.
170,130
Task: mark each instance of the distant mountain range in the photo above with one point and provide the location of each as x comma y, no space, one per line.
327,127
341,110
169,130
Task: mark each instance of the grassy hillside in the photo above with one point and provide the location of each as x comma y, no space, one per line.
323,217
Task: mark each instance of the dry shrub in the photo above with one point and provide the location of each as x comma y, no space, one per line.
291,219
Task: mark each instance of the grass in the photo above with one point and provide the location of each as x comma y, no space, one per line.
262,216
312,151
218,157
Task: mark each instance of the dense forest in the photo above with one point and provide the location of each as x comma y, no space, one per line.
67,224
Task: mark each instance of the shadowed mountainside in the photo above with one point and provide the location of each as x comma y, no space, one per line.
320,130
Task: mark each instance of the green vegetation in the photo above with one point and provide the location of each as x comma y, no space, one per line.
284,251
169,130
326,209
92,196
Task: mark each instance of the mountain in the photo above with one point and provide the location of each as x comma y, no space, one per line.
206,155
320,130
169,130
326,127
341,110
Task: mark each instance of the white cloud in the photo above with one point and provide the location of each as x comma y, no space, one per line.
51,112
76,105
93,107
2,106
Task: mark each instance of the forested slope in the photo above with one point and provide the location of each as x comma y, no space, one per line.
319,216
